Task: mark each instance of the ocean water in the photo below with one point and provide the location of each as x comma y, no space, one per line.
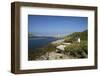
34,43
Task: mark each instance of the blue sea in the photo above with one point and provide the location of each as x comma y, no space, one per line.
39,42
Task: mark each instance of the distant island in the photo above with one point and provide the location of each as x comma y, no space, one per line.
32,35
72,46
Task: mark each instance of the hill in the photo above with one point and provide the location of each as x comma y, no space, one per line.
73,37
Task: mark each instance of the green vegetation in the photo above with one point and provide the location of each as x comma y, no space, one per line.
73,37
41,51
69,40
35,54
78,50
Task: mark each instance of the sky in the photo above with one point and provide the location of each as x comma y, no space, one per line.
53,25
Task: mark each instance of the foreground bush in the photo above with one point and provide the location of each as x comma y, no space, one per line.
78,50
37,53
84,46
68,40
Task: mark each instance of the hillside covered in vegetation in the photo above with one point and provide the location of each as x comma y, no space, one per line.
73,37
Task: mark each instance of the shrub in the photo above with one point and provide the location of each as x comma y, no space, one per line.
68,39
50,48
37,53
78,50
84,46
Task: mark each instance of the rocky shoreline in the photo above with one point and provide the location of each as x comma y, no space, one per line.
58,53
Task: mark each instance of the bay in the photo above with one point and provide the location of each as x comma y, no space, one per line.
39,42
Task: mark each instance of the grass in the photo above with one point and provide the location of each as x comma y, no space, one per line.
79,50
37,53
